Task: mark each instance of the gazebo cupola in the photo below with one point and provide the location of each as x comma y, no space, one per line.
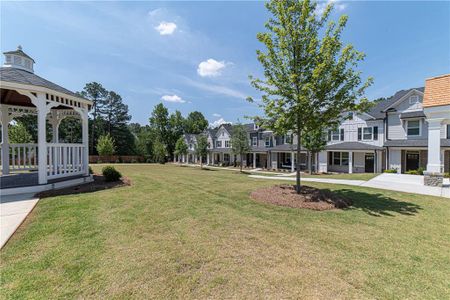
19,60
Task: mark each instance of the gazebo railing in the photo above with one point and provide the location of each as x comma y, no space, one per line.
64,160
23,157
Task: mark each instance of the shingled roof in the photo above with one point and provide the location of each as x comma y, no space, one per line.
21,76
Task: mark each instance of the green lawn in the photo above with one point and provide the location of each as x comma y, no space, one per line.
182,232
353,176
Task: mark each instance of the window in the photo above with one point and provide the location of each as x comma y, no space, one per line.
375,133
254,141
342,134
367,133
8,58
350,116
191,146
414,99
268,141
339,158
218,144
288,139
359,133
413,128
336,158
448,131
335,135
344,158
227,144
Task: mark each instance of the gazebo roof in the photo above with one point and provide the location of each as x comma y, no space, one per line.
20,52
21,76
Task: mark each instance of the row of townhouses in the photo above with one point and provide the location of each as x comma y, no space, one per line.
407,131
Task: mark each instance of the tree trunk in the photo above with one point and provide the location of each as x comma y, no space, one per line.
310,162
299,138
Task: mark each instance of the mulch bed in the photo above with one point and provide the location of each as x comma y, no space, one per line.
98,184
310,198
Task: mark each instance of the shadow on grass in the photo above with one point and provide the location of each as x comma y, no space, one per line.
99,184
378,204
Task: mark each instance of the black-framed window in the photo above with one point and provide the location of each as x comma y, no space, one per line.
448,131
413,127
342,134
375,133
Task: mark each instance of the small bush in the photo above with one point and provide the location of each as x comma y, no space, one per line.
390,171
133,161
111,174
90,170
117,161
447,175
412,172
420,170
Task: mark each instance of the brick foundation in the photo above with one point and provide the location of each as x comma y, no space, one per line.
433,179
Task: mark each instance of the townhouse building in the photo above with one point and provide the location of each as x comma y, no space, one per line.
394,134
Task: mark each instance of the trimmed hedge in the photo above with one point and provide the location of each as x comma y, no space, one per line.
111,174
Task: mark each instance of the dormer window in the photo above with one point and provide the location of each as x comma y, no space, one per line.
8,58
413,127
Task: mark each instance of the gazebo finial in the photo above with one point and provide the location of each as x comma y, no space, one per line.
19,47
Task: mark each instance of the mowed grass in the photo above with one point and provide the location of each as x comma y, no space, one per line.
353,176
182,232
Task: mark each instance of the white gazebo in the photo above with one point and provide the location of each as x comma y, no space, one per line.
45,163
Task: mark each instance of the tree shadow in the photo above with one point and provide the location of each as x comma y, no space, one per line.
377,204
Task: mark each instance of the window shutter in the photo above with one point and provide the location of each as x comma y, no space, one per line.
359,133
342,134
448,131
375,133
330,158
329,135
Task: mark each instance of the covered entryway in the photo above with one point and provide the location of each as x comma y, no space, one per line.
369,163
412,159
24,93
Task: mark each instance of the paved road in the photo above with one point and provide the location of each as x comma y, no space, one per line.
13,211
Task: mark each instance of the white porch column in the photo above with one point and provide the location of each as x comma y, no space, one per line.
292,161
207,158
434,145
5,119
350,162
254,160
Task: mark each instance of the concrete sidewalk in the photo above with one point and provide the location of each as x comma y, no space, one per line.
13,211
393,182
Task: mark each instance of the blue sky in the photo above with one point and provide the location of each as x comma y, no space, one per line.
198,55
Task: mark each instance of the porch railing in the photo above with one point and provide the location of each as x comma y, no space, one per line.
64,160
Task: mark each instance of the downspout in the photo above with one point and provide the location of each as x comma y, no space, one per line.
386,130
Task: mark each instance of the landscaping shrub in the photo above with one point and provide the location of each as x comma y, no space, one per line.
390,171
419,171
111,174
90,170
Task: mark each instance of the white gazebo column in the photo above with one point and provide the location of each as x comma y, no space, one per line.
292,161
85,140
42,111
350,162
5,119
434,145
207,158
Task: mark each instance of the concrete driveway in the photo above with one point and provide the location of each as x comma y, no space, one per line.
13,211
407,183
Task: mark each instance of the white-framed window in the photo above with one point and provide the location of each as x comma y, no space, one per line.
414,99
367,133
413,127
339,158
288,139
255,141
8,58
227,144
191,146
335,135
268,141
218,144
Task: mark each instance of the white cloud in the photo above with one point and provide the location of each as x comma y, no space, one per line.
166,28
218,123
172,98
210,68
339,6
217,115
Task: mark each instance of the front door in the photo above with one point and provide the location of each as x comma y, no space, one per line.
369,163
412,161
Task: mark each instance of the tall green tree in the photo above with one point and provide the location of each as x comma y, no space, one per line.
176,122
201,148
309,74
70,130
159,152
181,148
240,144
95,92
195,123
115,112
